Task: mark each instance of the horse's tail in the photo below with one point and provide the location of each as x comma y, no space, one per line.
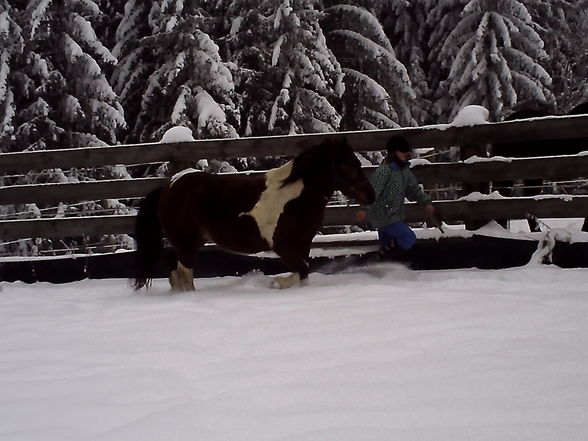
148,240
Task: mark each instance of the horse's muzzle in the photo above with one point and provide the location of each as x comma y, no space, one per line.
364,195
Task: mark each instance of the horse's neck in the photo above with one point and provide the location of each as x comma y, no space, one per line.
275,190
319,187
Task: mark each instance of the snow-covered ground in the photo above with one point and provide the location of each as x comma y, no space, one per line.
379,353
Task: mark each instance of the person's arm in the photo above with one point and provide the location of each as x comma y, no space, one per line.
415,193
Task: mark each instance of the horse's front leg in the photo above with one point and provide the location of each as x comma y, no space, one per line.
297,261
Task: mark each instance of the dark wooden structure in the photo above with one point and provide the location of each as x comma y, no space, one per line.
472,139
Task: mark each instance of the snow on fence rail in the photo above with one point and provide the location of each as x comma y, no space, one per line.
472,140
562,127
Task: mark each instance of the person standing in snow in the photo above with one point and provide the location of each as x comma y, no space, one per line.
393,181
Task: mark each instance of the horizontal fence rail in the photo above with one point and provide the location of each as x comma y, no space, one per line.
458,210
565,127
562,167
79,191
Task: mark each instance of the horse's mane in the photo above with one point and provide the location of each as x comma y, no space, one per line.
312,162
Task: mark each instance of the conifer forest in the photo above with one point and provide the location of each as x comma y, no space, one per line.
77,73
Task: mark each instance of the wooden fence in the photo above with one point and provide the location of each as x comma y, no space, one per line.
472,140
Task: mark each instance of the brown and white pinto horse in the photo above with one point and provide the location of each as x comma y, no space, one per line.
280,210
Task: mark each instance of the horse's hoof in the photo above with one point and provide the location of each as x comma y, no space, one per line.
181,279
176,290
283,282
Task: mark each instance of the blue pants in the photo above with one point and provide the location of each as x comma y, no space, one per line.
398,232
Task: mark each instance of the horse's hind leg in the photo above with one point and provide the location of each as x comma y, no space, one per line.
182,278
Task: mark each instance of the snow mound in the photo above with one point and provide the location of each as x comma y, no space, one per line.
471,116
177,134
477,196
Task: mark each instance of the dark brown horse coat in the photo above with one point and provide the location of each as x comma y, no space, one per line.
280,210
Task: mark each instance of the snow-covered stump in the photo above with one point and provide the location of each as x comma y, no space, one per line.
177,134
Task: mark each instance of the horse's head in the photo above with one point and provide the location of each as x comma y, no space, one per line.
347,175
332,166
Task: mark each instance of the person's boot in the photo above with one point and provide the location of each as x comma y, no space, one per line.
389,252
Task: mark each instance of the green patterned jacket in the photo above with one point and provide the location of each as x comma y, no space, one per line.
392,185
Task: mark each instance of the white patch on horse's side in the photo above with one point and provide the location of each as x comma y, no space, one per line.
272,201
179,174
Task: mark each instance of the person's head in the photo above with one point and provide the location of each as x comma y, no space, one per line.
397,147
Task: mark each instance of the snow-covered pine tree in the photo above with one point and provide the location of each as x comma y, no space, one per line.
404,21
109,21
442,18
67,101
563,43
311,78
133,25
280,63
132,70
379,8
11,46
494,57
287,78
174,71
378,90
564,26
249,33
580,26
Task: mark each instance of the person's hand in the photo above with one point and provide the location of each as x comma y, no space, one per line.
430,210
360,216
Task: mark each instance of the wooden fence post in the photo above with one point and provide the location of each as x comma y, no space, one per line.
467,151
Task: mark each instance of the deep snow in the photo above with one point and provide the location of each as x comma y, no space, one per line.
379,353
